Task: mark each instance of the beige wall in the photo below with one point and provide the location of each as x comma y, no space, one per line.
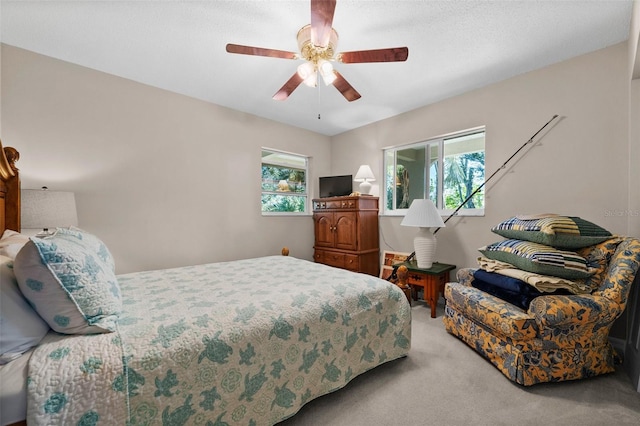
634,120
634,41
579,167
165,180
151,168
632,352
0,90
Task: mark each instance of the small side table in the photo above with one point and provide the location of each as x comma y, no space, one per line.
432,281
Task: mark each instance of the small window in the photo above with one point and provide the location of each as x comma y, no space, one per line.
284,182
445,170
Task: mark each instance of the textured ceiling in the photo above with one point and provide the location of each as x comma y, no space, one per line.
454,47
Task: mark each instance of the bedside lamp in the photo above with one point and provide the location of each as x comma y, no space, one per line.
423,214
365,175
44,209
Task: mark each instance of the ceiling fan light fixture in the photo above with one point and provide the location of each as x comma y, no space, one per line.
308,74
306,69
326,71
312,80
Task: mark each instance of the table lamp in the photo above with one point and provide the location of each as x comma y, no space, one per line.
364,175
44,209
423,214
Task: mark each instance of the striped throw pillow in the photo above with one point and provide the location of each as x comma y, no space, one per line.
565,232
539,258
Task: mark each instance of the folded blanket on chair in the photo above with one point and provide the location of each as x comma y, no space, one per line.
509,289
542,283
512,290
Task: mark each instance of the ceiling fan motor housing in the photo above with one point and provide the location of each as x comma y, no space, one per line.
313,53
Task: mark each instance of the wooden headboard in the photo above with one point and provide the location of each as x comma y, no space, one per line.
9,190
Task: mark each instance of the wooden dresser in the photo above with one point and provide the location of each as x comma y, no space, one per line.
346,233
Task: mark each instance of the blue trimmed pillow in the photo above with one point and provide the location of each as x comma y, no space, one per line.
539,259
69,279
21,327
566,232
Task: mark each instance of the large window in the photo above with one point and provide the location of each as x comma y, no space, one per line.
284,182
446,170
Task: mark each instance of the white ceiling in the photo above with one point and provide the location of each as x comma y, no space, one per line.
454,47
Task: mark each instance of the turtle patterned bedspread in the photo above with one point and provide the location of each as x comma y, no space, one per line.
247,342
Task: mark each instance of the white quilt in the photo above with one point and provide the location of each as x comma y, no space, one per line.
236,343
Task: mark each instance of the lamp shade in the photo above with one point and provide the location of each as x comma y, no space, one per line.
423,214
43,209
364,176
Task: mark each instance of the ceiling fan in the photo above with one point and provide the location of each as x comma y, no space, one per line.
317,43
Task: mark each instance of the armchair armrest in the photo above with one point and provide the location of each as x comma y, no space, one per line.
465,276
558,311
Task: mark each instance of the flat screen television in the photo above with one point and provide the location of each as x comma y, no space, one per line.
336,186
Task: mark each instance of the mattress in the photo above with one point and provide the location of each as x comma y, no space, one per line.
243,342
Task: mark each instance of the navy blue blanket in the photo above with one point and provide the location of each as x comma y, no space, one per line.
512,290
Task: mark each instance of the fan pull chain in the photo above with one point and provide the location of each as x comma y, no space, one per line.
318,101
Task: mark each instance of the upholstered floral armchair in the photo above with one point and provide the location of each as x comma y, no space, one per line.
559,337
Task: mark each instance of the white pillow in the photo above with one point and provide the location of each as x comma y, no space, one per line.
20,326
69,278
11,243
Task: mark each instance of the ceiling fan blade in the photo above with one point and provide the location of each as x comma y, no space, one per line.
260,51
288,88
345,88
321,21
392,54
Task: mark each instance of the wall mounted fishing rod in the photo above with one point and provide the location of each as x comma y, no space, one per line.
504,165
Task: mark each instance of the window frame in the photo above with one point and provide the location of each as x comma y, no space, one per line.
427,143
305,194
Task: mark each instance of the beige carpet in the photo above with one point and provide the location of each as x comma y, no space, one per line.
444,382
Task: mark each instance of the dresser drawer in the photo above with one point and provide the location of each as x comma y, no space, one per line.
416,279
334,259
331,258
352,262
340,203
343,204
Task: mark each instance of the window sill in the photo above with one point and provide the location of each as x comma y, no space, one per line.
285,214
444,214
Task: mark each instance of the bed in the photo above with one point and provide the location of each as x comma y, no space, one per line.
247,342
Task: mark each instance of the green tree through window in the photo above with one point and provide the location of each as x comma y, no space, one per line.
445,170
284,182
464,174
